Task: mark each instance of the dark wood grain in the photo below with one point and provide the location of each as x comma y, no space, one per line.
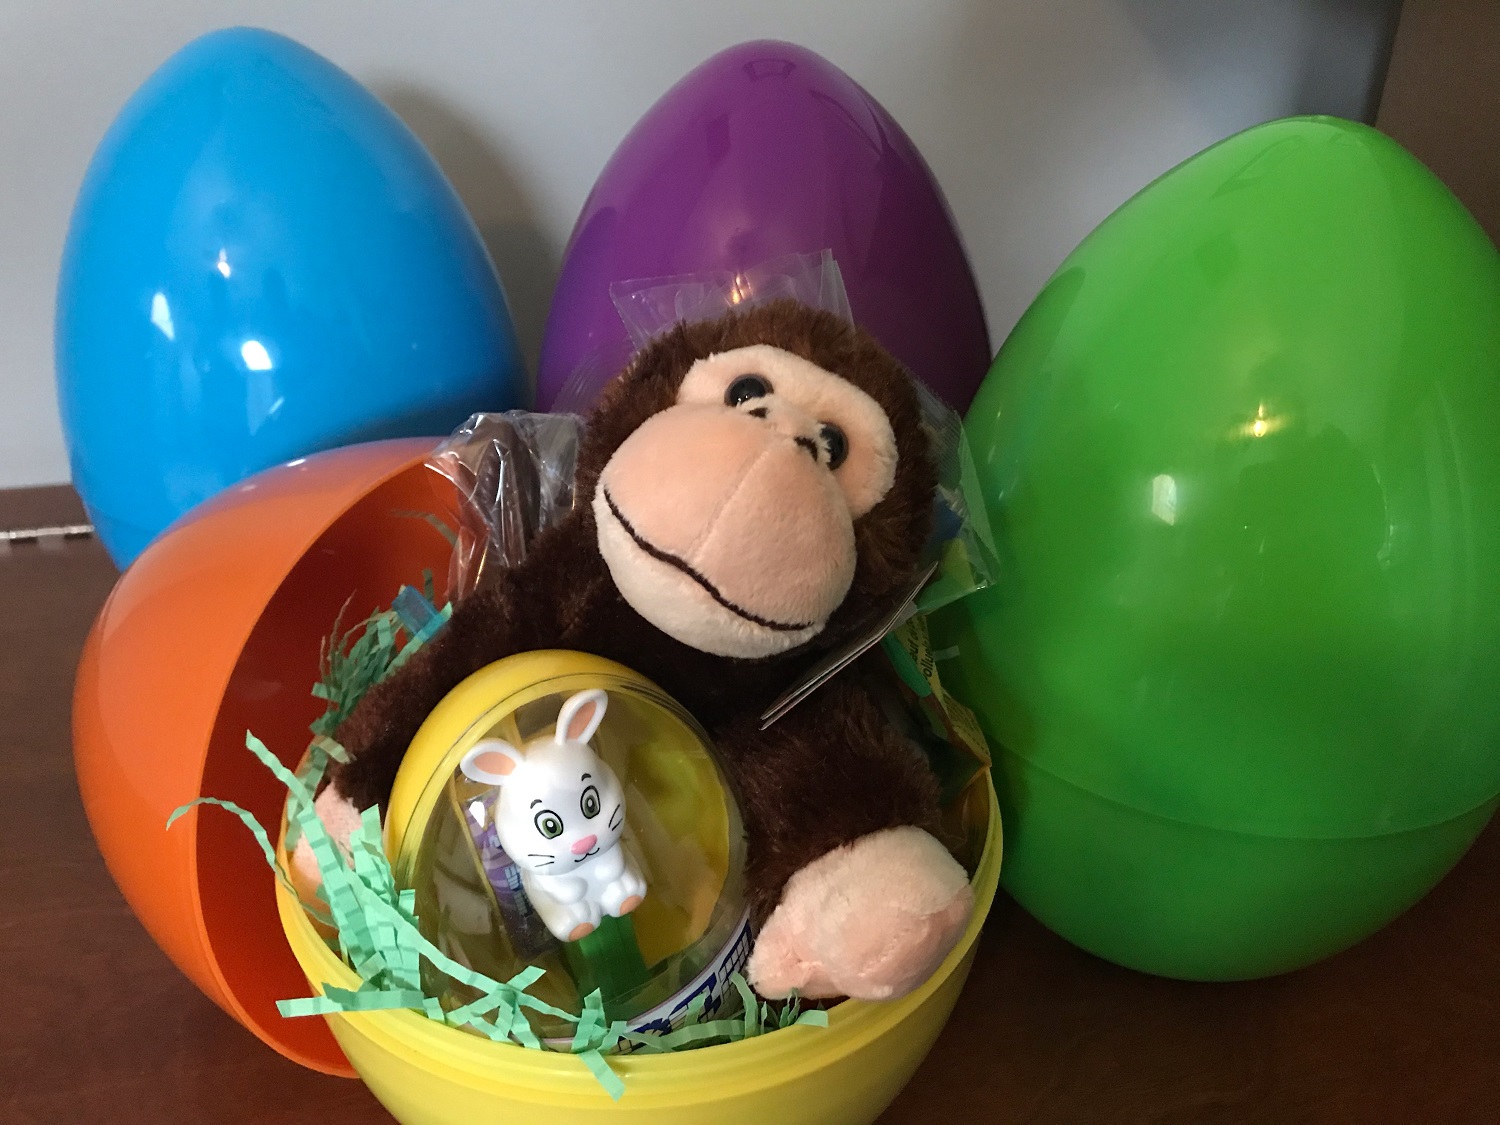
100,1026
49,505
1442,97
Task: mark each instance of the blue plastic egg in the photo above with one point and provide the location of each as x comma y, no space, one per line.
263,262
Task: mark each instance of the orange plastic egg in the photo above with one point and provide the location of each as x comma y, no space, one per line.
216,629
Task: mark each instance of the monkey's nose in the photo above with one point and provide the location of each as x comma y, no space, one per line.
581,847
790,421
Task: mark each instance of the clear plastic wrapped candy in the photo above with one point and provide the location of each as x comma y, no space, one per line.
512,478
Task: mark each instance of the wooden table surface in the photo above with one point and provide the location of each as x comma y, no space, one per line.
1403,1029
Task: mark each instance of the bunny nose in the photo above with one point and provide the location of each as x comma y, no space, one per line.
585,844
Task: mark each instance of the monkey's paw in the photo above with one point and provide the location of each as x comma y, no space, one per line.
871,920
340,818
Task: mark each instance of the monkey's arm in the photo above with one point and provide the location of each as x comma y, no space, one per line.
487,626
829,772
529,606
854,894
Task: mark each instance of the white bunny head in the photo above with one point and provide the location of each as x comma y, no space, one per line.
559,804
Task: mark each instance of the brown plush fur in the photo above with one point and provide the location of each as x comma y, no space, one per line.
823,776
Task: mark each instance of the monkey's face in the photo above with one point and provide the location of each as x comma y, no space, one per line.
727,519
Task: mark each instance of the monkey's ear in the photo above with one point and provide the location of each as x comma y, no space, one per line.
581,715
491,761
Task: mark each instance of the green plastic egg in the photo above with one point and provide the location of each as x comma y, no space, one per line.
1242,459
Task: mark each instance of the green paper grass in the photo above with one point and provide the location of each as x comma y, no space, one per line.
379,936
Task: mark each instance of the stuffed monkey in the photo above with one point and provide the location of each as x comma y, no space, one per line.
753,491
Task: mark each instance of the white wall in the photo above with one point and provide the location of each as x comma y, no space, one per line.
1038,116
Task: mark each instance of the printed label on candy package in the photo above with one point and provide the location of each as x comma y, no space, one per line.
712,984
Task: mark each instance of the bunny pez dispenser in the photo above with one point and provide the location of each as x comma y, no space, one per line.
559,816
756,491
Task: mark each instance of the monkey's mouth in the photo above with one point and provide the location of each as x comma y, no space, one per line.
708,587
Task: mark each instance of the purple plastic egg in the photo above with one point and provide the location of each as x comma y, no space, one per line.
765,150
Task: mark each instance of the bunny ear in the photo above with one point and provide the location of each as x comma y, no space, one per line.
491,761
581,715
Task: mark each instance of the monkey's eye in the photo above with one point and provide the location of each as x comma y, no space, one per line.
835,443
549,824
589,803
745,388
